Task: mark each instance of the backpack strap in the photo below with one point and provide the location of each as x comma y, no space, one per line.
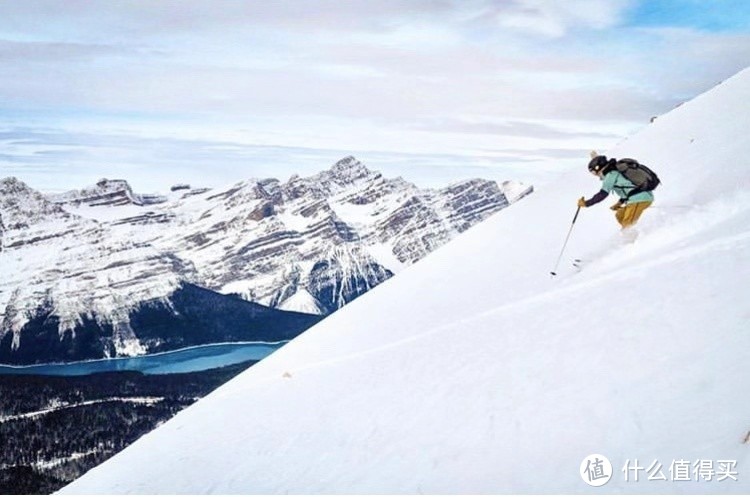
627,190
633,192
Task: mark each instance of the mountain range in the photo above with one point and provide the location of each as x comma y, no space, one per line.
81,268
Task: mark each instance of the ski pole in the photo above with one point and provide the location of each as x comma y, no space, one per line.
553,272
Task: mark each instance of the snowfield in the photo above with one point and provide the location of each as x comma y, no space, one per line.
474,371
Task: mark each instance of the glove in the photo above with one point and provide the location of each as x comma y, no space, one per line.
582,202
618,205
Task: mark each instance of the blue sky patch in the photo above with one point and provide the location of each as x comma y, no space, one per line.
705,15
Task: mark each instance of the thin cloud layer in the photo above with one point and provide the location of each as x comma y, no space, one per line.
430,78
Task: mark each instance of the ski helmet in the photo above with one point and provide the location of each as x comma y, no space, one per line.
598,163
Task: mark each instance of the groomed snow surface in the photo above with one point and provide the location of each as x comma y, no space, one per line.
474,371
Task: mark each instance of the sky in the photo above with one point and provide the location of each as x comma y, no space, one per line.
212,92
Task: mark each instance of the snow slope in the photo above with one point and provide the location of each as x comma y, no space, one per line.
464,377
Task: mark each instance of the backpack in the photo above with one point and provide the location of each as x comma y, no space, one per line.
642,177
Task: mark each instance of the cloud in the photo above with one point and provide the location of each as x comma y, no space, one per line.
426,78
554,19
379,59
712,57
153,165
508,128
58,159
57,52
546,153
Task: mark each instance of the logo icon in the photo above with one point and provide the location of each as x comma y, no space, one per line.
596,470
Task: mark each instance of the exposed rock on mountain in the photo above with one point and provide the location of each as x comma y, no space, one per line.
107,193
79,267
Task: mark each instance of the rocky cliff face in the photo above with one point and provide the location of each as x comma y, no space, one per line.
85,263
22,207
106,193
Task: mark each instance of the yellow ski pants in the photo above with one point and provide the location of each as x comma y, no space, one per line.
627,216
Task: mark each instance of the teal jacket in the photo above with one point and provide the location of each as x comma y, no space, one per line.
615,182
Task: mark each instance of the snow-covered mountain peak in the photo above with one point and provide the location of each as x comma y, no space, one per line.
9,182
96,194
349,169
106,192
515,190
113,184
346,173
474,372
21,205
12,186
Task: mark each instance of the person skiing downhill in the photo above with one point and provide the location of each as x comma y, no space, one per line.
633,200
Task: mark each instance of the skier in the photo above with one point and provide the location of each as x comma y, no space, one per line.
633,200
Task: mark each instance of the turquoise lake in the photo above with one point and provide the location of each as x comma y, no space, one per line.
186,360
